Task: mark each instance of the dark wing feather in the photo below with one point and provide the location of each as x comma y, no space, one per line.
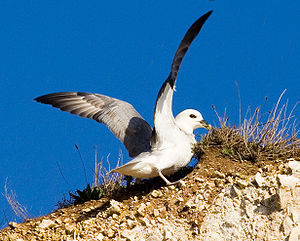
163,115
119,116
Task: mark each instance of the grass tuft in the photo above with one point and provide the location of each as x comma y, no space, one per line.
19,210
105,185
257,138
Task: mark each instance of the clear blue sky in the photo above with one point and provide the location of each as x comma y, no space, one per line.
124,49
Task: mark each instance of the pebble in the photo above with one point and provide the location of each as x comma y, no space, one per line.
131,224
127,235
241,183
99,237
156,193
198,179
46,223
13,224
141,209
167,234
295,166
156,213
110,233
218,174
287,181
145,222
233,191
260,181
114,208
181,184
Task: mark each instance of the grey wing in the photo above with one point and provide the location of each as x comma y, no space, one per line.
163,115
119,116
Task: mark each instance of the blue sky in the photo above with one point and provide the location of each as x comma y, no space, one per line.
124,49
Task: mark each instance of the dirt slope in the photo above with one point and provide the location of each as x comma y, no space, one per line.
220,199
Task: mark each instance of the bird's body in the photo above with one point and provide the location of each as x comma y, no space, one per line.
160,151
169,157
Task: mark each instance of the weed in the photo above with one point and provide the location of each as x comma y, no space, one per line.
104,185
255,139
19,210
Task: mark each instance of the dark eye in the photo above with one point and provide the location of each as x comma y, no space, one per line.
193,116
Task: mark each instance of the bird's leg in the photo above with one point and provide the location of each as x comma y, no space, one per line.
138,180
128,181
165,179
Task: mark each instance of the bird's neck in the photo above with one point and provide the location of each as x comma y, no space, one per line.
185,128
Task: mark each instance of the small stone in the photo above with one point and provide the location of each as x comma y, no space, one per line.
287,226
294,213
69,228
167,234
13,224
190,204
127,235
156,193
67,220
114,208
295,167
198,179
110,233
233,191
130,217
218,174
260,181
287,181
295,233
141,209
241,183
229,179
156,213
181,184
131,224
99,237
58,220
160,220
86,210
218,182
46,223
145,222
180,199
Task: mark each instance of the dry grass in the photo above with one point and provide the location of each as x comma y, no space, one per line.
19,210
108,182
104,184
257,138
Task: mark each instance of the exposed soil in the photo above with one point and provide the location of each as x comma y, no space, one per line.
156,211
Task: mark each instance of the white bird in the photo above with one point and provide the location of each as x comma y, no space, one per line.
160,151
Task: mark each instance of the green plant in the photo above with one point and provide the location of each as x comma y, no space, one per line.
104,184
89,193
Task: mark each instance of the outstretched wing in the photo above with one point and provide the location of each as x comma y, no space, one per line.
119,116
163,115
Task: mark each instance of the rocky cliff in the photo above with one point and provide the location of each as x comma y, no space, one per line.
220,199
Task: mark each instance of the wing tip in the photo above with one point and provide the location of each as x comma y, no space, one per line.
206,15
43,98
39,99
46,98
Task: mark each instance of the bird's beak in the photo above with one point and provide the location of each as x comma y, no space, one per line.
206,125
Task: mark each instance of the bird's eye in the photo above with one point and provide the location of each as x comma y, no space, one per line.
193,116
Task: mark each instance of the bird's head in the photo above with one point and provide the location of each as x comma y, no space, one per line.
190,119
